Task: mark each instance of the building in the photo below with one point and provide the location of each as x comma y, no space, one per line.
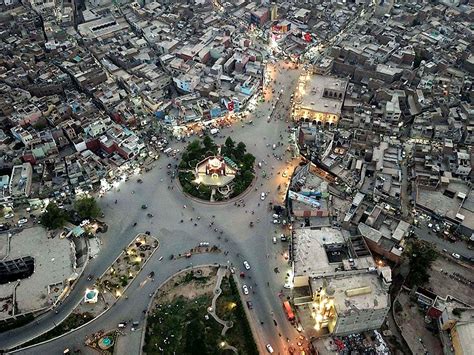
319,99
20,181
338,289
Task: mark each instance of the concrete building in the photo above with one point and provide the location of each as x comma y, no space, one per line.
20,181
319,99
338,289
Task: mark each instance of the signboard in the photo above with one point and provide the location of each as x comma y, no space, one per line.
305,199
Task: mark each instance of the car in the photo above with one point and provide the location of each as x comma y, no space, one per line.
269,348
287,286
430,225
22,221
9,215
283,238
456,255
276,221
274,239
122,325
285,174
262,196
246,265
245,289
4,227
144,207
250,304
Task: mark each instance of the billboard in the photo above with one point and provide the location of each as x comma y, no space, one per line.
305,199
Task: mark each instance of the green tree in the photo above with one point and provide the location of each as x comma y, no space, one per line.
195,336
421,257
240,151
208,144
87,207
53,217
230,144
228,148
247,161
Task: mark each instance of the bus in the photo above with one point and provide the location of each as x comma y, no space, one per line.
288,311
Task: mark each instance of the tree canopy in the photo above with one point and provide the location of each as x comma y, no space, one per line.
421,257
86,207
53,217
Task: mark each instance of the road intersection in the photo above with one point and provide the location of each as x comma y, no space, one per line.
237,238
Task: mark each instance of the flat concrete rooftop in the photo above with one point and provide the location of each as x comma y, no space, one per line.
313,98
53,260
309,253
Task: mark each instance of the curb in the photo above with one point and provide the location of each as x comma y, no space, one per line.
93,319
220,203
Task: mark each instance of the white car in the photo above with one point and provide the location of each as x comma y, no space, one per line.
262,196
246,265
22,221
285,174
276,221
456,256
9,215
269,348
245,289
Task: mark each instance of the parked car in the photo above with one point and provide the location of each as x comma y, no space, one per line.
22,221
269,348
246,265
250,304
456,255
245,289
262,196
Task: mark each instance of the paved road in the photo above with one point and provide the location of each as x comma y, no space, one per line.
251,244
426,234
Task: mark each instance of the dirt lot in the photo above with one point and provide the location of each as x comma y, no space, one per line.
443,282
413,327
192,289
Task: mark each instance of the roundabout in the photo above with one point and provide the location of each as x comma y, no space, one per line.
237,241
214,173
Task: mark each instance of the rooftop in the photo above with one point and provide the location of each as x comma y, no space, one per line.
327,251
313,97
53,260
356,292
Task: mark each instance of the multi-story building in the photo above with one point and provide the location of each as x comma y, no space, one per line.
319,99
345,291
